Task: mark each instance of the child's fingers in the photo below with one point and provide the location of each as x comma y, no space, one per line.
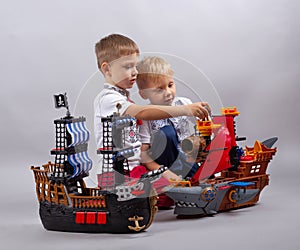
207,107
201,113
204,112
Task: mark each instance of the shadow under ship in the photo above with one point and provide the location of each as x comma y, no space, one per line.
121,205
228,177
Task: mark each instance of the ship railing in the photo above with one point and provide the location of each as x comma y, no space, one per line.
264,156
88,201
42,183
260,152
219,179
54,167
47,191
181,183
94,191
51,167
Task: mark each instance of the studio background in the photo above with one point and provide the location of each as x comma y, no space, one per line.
249,50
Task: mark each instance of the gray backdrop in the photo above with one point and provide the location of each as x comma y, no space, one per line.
249,50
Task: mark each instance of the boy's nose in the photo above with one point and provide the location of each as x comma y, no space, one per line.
168,92
134,71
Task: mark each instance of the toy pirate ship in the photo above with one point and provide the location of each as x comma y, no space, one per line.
67,204
228,176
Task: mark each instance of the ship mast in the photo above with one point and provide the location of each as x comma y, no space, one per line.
115,165
71,158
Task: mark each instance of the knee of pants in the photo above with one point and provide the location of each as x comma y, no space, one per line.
164,147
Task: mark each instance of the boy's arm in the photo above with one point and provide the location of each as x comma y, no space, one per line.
152,165
157,112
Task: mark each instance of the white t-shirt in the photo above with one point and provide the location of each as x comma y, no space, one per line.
184,125
105,105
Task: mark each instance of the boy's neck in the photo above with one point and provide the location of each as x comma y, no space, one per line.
124,92
114,84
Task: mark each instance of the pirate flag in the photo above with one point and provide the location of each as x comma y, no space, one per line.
61,101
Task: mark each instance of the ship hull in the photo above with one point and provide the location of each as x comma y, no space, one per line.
209,199
119,217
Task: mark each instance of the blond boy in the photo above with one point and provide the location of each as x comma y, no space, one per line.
160,138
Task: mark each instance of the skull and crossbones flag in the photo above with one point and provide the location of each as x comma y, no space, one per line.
61,101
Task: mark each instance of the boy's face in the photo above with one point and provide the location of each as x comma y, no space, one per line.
122,72
160,92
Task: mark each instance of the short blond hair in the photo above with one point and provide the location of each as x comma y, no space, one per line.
151,69
114,46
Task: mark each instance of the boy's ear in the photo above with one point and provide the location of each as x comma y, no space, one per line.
105,68
142,94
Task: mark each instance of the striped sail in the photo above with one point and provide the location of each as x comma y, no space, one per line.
80,161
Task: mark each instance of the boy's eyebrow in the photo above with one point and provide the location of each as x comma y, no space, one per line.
129,62
160,86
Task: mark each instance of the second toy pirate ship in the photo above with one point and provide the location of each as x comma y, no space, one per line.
229,176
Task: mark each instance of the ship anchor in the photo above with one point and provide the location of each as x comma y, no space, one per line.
137,226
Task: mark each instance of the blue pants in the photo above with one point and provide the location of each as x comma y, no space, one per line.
165,151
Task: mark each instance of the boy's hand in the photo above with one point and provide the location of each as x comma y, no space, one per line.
201,110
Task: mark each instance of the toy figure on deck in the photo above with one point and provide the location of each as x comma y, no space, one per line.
117,58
